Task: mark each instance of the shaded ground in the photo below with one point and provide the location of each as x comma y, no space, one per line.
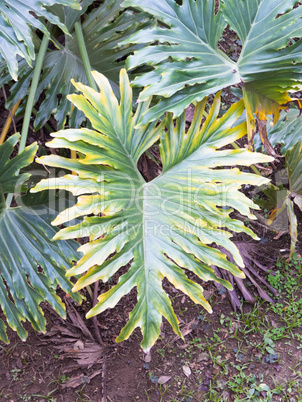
254,355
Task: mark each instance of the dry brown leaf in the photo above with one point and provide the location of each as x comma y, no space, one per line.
163,379
186,370
148,358
81,379
184,346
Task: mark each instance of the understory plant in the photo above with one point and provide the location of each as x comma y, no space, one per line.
158,229
31,266
17,18
101,30
179,226
285,195
187,64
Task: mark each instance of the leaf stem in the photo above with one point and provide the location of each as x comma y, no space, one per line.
8,122
92,83
95,319
87,65
32,92
84,55
31,101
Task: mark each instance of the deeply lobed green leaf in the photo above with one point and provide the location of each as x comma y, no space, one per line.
31,267
103,28
157,229
187,63
16,23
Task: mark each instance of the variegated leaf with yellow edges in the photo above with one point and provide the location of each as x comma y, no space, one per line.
158,228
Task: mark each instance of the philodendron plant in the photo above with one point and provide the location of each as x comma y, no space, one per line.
182,51
31,267
161,229
103,28
17,18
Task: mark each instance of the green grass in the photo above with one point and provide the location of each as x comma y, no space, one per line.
240,350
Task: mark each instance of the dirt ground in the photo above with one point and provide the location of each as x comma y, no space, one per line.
223,356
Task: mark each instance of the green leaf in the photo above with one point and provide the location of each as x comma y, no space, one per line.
16,23
288,130
159,228
187,65
279,197
294,167
103,29
31,266
9,178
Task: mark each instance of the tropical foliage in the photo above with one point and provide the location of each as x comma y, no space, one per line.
31,266
158,227
178,226
16,23
103,28
188,65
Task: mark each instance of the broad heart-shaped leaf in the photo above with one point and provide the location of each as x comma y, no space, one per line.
160,227
16,23
103,29
187,64
31,265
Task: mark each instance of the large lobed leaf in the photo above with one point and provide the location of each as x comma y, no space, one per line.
161,227
17,20
187,65
103,28
31,266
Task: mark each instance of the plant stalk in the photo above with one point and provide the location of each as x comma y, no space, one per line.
31,101
94,319
84,55
8,122
32,92
92,83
